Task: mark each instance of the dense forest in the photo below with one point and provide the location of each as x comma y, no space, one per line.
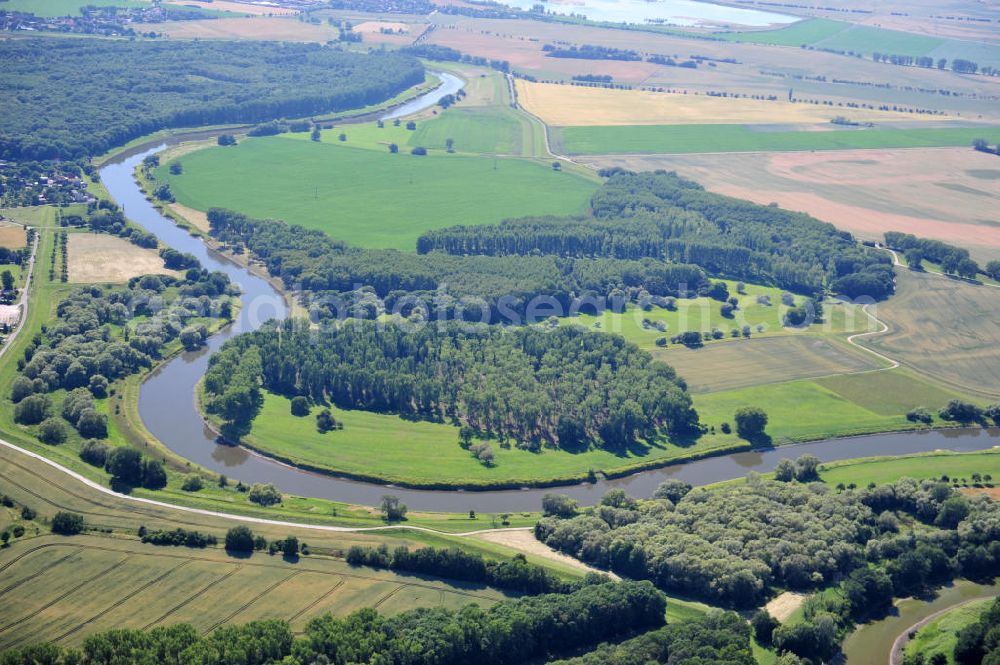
564,387
718,638
341,279
733,545
70,98
661,215
508,633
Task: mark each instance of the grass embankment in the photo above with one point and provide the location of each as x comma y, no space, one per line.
357,191
941,634
675,139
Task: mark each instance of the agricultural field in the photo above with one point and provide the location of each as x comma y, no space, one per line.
53,8
570,105
797,34
938,327
943,193
12,236
61,589
370,197
671,139
99,258
256,27
742,363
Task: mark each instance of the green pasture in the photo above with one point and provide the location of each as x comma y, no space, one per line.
881,470
676,139
803,32
53,8
367,196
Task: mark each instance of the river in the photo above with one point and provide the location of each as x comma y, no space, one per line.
167,403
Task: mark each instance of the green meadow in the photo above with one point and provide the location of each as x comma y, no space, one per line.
841,36
52,8
396,450
796,34
359,192
676,139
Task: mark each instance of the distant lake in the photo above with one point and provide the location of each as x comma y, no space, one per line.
687,13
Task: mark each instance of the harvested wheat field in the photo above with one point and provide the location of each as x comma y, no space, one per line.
950,194
389,32
95,258
259,27
570,105
944,328
12,236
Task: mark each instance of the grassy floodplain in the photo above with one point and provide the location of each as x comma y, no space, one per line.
881,470
357,191
941,634
675,139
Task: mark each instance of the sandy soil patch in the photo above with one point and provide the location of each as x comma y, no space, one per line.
784,605
241,7
524,540
992,492
565,105
197,218
98,258
12,236
259,27
9,314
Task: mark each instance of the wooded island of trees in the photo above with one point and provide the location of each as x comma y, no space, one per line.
567,387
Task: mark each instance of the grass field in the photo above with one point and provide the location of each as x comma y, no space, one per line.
62,589
487,131
51,8
797,34
941,328
423,453
570,106
370,197
930,465
100,258
667,139
742,363
703,315
941,634
833,406
842,36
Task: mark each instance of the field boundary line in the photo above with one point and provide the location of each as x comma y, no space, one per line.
378,603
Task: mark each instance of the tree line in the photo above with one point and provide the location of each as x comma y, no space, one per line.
497,288
954,260
134,88
514,574
508,633
733,545
567,387
663,216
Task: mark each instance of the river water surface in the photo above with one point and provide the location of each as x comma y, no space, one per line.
167,403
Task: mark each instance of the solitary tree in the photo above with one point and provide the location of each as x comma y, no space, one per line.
8,280
393,509
750,422
239,539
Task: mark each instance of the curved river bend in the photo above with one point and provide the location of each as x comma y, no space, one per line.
167,406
